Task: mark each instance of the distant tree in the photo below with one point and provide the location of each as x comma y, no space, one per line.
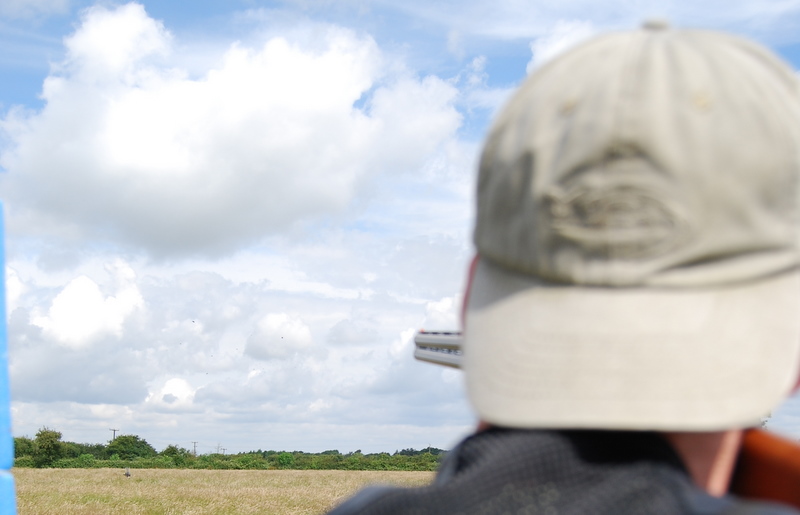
71,449
23,447
48,447
179,455
174,450
98,450
285,460
432,450
128,447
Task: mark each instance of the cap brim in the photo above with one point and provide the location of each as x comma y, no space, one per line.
548,355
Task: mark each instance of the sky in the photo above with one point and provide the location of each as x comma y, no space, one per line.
226,219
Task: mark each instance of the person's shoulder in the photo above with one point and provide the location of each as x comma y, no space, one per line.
704,504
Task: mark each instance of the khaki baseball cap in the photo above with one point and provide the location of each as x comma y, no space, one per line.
638,233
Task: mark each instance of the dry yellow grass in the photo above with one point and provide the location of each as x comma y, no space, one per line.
108,491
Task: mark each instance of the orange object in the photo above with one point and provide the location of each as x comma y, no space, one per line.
768,468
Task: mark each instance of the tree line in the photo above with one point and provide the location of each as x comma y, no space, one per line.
47,450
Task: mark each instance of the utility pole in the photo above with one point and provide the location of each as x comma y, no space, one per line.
223,451
194,452
114,434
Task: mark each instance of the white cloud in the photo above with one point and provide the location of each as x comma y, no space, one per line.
455,45
14,289
111,412
477,71
174,394
443,314
81,313
32,8
512,19
353,332
112,46
403,345
563,36
410,115
440,315
132,149
279,336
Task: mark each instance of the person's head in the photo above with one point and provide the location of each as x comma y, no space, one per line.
638,235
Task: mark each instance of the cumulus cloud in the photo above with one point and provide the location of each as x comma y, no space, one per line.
223,348
81,313
352,332
14,289
175,394
279,336
476,92
443,314
307,195
131,148
45,371
403,345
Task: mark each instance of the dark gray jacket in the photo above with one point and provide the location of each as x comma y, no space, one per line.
519,472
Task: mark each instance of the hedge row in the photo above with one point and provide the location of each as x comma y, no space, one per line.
256,461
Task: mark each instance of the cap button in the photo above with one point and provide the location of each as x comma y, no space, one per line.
655,24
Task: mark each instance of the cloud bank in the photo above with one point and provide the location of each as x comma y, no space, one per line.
132,150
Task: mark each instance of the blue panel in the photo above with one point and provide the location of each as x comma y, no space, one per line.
8,503
6,441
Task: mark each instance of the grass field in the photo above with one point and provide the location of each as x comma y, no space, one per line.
108,491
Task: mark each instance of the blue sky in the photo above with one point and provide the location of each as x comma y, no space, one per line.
226,219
